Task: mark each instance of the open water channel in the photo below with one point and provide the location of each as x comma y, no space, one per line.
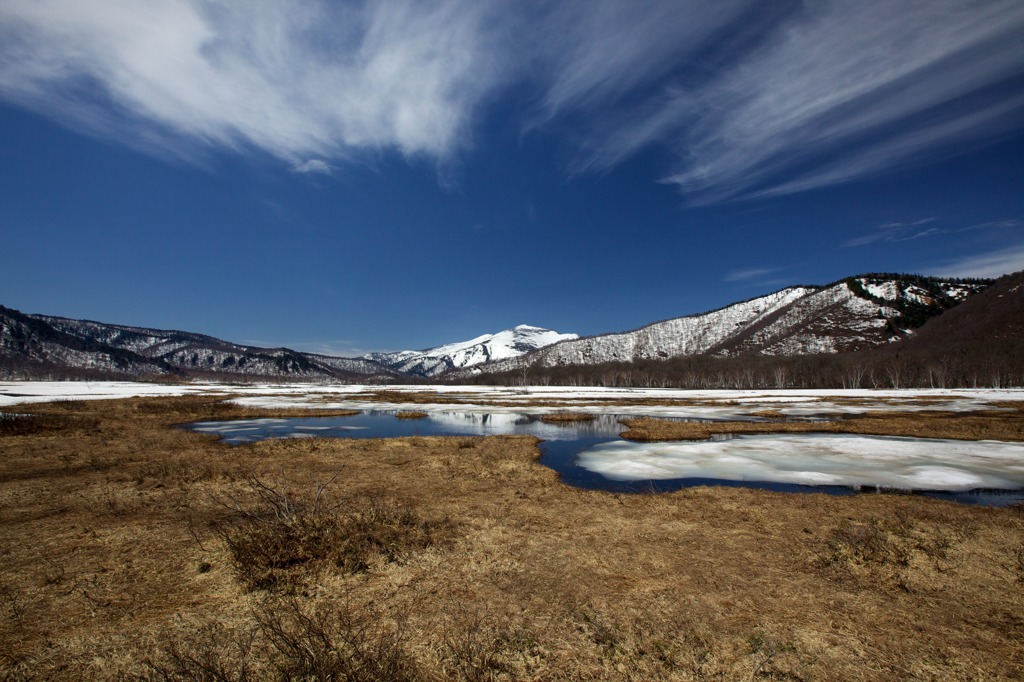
591,455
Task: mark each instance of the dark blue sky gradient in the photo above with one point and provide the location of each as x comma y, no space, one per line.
392,250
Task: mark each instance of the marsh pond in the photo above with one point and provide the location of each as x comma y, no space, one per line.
590,454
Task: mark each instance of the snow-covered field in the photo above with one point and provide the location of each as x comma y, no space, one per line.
818,459
810,459
714,404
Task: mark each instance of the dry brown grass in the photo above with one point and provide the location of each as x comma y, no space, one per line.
1002,424
567,417
770,413
409,397
280,535
411,415
116,561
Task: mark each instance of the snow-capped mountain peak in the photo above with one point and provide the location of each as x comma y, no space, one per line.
510,343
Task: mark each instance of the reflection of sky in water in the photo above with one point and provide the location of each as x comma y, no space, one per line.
382,424
590,455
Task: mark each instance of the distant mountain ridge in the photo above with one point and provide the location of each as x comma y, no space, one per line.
511,343
43,346
857,313
852,314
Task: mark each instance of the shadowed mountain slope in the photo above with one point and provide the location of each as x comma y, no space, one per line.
41,346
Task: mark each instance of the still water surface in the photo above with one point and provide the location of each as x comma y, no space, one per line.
592,455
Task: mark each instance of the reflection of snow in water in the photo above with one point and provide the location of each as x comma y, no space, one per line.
818,459
513,423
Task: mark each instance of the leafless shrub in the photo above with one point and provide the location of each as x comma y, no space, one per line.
280,533
602,632
865,543
289,641
116,502
478,649
212,653
334,644
767,652
939,545
11,602
55,572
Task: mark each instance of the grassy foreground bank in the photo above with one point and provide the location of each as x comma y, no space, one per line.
129,548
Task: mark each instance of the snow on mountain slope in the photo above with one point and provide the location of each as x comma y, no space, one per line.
691,335
856,313
43,346
507,344
830,320
920,291
851,314
146,342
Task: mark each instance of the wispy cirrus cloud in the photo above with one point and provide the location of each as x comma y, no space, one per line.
994,263
834,92
589,60
313,166
849,74
302,81
753,99
746,278
897,232
993,225
748,274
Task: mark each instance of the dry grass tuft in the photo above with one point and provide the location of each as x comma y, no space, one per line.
859,544
335,642
13,424
280,537
290,639
411,415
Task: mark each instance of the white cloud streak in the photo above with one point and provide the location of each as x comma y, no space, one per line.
600,52
300,80
897,232
748,274
848,75
313,166
1009,223
754,99
996,263
836,92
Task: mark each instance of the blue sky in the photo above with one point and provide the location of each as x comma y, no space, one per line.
354,176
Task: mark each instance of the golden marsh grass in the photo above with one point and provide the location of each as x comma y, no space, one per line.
474,562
